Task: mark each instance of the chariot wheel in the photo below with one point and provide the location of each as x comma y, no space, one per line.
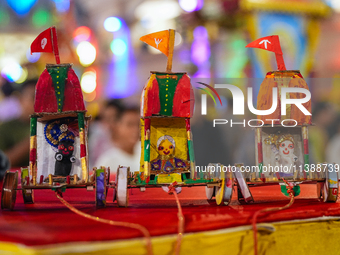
210,192
240,197
107,180
243,191
100,187
9,192
319,187
244,195
330,188
115,187
122,194
28,196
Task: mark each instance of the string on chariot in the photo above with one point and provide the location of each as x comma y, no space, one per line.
111,222
273,209
180,216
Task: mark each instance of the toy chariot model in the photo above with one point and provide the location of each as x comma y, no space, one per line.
58,141
281,137
167,156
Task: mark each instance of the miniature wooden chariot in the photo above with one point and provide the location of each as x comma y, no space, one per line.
167,157
58,139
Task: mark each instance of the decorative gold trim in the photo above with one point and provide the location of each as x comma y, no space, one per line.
84,169
147,168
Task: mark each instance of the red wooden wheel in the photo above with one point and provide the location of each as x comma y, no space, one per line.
9,192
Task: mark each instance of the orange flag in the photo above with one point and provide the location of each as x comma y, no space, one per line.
158,40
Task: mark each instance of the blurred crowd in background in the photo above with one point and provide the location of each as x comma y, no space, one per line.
101,37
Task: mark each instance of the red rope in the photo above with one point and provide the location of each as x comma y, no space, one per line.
274,209
180,216
111,222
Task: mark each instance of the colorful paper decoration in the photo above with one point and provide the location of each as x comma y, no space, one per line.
58,90
168,95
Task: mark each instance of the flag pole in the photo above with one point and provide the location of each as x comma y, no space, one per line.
55,45
280,62
171,49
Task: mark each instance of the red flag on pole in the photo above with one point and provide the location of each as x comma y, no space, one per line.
270,43
46,41
43,42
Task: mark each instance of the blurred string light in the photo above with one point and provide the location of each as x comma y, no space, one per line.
335,4
120,83
32,58
200,49
118,47
178,39
62,5
41,18
157,10
191,5
89,97
81,34
200,52
88,81
12,71
23,77
86,53
92,108
21,7
112,24
237,59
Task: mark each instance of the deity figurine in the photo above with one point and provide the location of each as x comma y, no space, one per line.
64,157
166,160
283,149
62,140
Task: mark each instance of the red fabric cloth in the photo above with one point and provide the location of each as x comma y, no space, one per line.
50,222
46,101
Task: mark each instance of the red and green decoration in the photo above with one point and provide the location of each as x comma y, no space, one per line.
58,88
168,95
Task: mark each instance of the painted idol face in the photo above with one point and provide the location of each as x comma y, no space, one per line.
286,148
66,148
166,148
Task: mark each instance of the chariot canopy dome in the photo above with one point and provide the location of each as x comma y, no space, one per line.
279,80
58,90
